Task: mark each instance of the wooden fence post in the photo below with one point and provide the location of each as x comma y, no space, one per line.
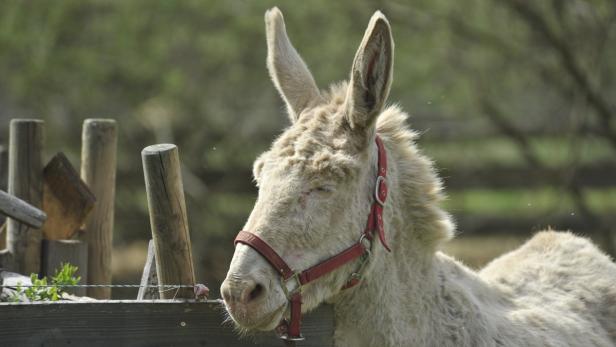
4,178
4,167
163,183
26,183
56,252
4,171
98,171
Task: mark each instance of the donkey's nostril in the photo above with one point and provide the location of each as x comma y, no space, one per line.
252,292
242,292
256,292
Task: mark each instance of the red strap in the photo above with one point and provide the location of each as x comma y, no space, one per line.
332,263
266,251
296,315
382,157
380,194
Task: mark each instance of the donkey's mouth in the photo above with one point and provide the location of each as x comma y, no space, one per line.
267,322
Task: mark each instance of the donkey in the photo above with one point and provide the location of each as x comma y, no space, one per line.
316,190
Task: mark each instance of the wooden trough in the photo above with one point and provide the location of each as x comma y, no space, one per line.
178,318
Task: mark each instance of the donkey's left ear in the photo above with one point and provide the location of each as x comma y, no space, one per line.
371,74
287,69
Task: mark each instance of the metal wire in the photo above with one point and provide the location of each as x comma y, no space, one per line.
171,286
162,287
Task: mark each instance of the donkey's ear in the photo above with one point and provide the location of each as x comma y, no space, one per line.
371,74
287,69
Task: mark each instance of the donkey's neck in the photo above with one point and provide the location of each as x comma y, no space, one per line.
413,296
411,303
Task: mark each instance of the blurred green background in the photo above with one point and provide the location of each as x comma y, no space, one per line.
514,101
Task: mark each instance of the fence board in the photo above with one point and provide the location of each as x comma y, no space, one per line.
527,225
599,174
140,323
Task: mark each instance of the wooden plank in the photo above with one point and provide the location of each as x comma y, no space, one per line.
527,225
163,183
593,175
98,171
141,323
149,280
75,252
67,200
21,211
26,183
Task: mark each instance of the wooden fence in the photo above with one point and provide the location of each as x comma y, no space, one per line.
141,323
174,314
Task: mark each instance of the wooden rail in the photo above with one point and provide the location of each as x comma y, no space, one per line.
500,224
141,323
21,211
596,175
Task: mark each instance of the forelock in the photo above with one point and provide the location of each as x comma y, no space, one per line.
317,143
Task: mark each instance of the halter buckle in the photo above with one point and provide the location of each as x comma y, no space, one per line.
287,291
286,337
377,197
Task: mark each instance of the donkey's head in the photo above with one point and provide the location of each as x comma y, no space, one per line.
315,182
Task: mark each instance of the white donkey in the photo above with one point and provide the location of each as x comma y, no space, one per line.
316,193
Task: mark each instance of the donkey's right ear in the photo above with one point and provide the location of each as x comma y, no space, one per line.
371,74
287,69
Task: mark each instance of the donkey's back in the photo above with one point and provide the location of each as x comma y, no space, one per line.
559,282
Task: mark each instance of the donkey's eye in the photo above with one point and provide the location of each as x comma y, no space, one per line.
322,189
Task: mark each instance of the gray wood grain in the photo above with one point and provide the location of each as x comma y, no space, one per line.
26,183
163,183
56,252
149,280
98,171
21,211
141,323
4,179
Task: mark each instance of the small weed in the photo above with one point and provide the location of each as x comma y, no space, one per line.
44,290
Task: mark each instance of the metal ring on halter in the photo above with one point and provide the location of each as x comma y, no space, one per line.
367,247
287,292
379,180
286,337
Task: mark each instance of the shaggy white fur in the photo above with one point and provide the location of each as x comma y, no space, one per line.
315,189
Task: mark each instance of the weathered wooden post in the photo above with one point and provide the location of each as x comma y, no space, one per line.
74,252
4,170
4,177
25,182
98,171
163,183
149,279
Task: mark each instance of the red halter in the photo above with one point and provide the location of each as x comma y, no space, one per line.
290,330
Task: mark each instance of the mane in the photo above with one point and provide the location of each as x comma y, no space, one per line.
418,178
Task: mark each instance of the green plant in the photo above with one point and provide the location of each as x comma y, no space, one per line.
42,290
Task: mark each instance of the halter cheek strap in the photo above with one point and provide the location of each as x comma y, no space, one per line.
293,281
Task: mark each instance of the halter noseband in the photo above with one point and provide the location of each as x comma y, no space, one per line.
293,281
